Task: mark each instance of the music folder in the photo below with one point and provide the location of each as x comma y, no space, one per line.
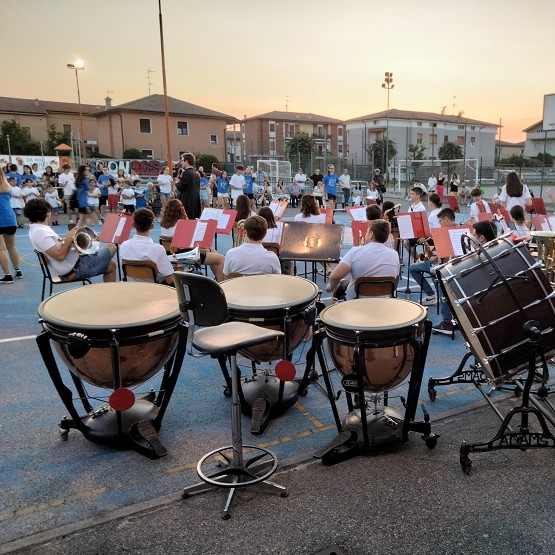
413,225
224,218
116,228
447,240
543,223
194,233
311,242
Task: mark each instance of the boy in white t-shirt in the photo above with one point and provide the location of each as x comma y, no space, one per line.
127,197
415,197
51,197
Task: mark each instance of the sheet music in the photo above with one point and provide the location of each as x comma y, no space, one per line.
406,229
223,220
358,214
200,231
273,235
211,214
119,228
455,238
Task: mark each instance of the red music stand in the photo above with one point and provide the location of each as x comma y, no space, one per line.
453,203
359,230
194,233
224,218
447,240
116,230
413,225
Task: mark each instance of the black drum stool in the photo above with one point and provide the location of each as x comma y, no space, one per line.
234,465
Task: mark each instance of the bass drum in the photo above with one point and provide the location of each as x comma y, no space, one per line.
280,302
492,313
384,328
143,318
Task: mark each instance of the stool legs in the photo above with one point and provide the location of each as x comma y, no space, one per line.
230,467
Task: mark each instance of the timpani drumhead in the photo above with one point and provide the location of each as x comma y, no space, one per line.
106,306
143,318
373,314
268,292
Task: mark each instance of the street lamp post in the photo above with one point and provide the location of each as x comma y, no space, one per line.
521,160
388,85
79,65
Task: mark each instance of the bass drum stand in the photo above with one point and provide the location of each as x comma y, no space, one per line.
523,438
367,432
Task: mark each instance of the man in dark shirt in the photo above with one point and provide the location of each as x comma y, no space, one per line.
188,187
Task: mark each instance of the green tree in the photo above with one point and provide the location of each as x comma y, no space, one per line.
132,154
20,139
548,159
55,138
206,161
300,150
378,150
450,151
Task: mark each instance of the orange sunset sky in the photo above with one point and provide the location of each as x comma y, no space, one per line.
490,58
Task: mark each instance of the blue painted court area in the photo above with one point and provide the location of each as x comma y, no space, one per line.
47,482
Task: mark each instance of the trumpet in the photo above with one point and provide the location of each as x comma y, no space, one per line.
86,240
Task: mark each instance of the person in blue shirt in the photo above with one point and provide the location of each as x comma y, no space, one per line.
13,173
140,197
103,181
204,189
223,194
249,190
330,182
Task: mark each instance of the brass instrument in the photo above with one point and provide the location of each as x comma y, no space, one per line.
238,230
428,251
86,240
188,258
393,208
360,238
546,252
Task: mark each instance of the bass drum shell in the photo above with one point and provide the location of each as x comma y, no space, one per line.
492,322
266,301
143,318
385,330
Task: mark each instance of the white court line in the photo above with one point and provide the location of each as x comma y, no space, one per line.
22,338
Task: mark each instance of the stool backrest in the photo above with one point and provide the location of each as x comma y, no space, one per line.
139,269
202,301
376,286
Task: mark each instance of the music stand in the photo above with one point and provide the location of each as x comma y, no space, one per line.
116,230
314,243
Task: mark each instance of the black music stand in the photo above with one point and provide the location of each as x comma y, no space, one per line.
306,242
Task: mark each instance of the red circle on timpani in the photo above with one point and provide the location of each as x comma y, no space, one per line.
285,370
122,399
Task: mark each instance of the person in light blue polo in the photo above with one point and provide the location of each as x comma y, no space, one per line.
330,182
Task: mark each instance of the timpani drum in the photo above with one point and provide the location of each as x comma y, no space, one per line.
143,319
385,329
492,311
281,302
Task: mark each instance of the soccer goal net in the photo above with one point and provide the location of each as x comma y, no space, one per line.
409,170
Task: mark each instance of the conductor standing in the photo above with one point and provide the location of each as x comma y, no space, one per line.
188,187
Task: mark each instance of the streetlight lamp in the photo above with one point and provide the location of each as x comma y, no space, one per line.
79,65
388,85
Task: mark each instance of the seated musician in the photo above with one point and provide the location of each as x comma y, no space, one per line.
63,258
434,203
174,212
518,220
374,212
374,258
310,213
416,205
142,247
484,231
251,258
478,206
420,270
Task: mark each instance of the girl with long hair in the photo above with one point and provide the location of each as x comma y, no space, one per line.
514,193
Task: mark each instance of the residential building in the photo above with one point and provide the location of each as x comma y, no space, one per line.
267,135
406,127
505,149
141,124
538,141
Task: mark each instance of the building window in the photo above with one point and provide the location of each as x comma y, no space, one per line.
433,139
182,128
320,132
460,140
181,153
433,124
419,138
460,126
340,150
67,128
339,133
445,138
147,153
144,125
418,124
376,121
320,150
472,128
272,127
213,139
472,141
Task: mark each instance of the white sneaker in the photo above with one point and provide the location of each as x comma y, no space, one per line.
429,301
71,222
